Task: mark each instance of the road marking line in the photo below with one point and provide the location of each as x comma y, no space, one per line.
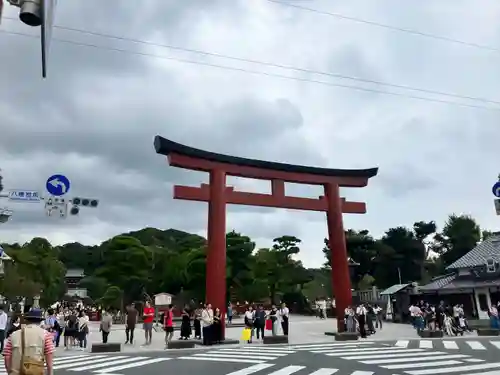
263,349
236,360
252,369
495,344
362,373
425,344
63,360
105,364
419,365
416,359
450,345
475,345
326,345
379,353
348,348
235,355
325,371
402,343
400,355
68,364
236,350
446,370
288,370
131,365
473,360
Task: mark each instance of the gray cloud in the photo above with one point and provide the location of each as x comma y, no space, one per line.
95,117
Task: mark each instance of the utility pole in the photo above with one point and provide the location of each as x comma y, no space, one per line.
37,13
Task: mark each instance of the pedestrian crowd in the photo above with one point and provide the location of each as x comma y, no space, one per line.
364,318
258,320
443,317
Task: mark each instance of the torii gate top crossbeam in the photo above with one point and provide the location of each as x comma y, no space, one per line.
195,159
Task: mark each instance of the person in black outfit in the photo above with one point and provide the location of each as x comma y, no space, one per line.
260,321
361,315
197,322
186,323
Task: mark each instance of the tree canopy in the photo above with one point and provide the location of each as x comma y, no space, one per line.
125,267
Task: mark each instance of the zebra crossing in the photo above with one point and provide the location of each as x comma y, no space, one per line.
476,345
261,369
246,354
412,361
101,364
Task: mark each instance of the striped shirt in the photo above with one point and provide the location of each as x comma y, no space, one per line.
48,347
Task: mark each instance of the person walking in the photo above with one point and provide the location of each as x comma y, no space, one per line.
361,315
148,317
83,329
3,327
207,319
30,346
284,316
130,323
186,323
168,325
260,322
105,328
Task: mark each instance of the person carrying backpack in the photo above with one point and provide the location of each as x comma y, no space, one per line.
30,349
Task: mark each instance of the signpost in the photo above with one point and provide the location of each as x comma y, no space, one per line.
24,196
495,189
57,185
48,10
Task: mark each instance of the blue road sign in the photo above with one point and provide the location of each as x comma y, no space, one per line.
57,185
496,189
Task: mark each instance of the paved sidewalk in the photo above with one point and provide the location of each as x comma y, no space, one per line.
303,329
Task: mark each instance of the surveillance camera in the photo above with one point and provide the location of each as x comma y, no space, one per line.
74,210
31,12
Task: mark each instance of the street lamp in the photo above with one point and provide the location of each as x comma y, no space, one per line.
352,267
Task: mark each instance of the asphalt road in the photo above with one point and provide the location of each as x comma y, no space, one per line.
411,357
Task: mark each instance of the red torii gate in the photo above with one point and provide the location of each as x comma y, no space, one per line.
217,194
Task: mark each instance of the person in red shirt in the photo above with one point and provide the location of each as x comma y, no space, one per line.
168,325
148,317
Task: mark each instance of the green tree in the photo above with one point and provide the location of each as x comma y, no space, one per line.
460,235
240,261
127,265
112,298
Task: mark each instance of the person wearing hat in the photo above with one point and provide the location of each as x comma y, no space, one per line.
31,345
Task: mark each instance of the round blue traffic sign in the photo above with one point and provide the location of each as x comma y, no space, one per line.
57,185
496,189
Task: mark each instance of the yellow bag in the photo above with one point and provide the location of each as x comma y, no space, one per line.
246,335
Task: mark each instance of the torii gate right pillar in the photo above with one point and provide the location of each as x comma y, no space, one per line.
341,281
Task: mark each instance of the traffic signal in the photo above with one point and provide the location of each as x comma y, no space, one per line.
74,210
85,202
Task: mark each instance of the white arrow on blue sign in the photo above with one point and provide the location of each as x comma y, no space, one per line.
496,189
57,185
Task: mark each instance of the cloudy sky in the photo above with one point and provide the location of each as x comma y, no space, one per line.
95,117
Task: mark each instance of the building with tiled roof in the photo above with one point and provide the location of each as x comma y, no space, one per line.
473,279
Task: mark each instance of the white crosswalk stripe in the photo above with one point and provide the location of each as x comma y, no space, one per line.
272,369
419,361
101,363
449,344
249,354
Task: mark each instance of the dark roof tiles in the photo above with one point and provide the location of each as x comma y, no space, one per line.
488,249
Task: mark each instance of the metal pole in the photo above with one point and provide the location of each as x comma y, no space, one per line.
399,275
